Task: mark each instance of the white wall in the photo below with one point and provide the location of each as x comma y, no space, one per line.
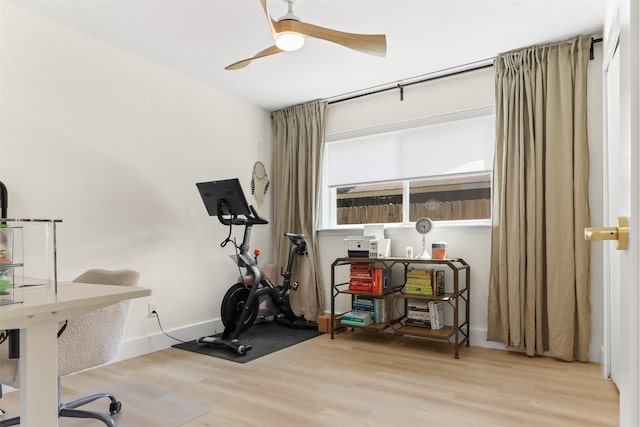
113,145
471,242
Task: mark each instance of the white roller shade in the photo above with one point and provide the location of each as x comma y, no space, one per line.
453,147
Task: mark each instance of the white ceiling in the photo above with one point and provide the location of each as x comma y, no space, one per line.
198,38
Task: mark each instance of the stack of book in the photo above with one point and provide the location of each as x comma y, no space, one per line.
378,308
356,318
418,313
425,282
419,282
365,278
424,314
365,305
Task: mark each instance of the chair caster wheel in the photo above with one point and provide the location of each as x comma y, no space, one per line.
115,408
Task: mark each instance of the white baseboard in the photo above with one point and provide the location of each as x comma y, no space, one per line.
596,353
159,341
478,338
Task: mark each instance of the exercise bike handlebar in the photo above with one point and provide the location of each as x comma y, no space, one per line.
233,219
256,219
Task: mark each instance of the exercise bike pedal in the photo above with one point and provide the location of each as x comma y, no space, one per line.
295,286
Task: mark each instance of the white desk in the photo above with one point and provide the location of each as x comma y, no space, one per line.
37,318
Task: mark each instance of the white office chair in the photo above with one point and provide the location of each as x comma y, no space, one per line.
8,370
88,340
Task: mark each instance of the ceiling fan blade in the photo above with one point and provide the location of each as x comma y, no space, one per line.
373,44
271,21
243,63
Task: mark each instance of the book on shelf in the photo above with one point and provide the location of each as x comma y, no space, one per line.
424,313
366,278
411,310
417,322
361,304
360,271
363,301
419,272
356,318
379,280
362,285
425,282
382,309
435,308
418,304
438,288
378,308
415,289
419,315
418,281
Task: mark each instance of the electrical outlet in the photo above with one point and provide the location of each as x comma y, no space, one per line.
151,308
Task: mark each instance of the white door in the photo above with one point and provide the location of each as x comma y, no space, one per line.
621,157
617,202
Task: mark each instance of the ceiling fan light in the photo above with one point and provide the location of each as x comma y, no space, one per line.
289,40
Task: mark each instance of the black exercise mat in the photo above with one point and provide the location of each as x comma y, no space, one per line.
265,338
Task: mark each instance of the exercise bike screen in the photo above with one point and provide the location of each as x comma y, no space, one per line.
227,190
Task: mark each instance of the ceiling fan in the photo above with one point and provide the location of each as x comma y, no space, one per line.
289,33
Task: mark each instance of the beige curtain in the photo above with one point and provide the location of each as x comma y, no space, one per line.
539,279
299,142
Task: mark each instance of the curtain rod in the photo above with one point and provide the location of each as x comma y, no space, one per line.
435,76
430,77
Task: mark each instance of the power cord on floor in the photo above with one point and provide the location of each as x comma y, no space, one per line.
159,324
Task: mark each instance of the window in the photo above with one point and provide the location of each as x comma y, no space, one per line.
369,204
452,198
439,167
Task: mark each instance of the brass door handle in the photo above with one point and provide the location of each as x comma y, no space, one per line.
619,233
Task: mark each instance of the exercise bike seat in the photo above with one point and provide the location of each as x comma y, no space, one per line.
296,238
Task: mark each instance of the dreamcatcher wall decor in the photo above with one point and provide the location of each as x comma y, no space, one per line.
259,182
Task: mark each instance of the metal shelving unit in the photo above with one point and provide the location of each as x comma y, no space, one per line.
457,297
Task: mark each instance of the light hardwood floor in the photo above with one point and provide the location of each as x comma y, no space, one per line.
368,379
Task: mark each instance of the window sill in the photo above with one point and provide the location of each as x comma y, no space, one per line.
449,226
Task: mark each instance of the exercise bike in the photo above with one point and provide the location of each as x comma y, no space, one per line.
241,303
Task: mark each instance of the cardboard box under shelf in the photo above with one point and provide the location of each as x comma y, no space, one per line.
324,323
